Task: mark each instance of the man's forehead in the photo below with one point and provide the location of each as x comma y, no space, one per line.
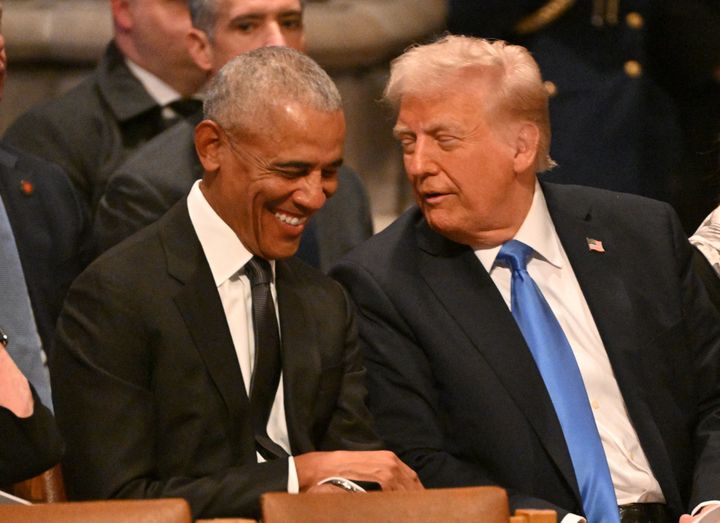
261,7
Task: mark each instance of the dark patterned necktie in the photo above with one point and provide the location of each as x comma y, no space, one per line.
268,362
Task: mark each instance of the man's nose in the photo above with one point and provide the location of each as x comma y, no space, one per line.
419,162
314,191
274,35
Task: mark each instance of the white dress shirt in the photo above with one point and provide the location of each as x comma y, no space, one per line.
707,239
227,257
550,268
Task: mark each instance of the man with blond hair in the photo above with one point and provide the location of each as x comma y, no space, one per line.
549,339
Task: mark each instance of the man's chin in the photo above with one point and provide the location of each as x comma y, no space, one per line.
280,251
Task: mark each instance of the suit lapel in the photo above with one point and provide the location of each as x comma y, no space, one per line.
599,277
301,359
200,306
466,290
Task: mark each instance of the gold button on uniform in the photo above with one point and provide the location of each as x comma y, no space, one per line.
551,88
634,20
633,68
595,404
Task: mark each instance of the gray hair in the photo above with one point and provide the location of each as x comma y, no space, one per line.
252,84
203,14
519,92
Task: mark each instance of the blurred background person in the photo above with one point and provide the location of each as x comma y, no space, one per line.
42,232
56,44
162,171
142,84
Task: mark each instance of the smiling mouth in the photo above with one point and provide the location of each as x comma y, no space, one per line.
295,221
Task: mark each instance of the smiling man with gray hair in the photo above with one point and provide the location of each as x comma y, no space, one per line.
241,373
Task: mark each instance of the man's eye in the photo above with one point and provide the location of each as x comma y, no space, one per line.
292,23
446,141
245,27
329,173
291,173
407,144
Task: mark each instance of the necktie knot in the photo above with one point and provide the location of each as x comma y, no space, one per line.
515,254
186,107
258,271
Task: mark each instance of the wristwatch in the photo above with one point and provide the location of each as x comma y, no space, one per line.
3,338
342,483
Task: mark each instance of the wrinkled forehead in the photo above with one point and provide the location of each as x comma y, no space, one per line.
259,7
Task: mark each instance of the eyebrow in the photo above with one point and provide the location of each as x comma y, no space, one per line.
260,15
435,128
400,130
296,164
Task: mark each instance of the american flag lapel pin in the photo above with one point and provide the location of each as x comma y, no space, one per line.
26,187
595,245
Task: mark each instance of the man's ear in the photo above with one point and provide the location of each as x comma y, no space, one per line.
208,143
200,49
527,142
122,15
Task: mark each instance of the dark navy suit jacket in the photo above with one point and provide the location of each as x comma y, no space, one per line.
49,228
455,391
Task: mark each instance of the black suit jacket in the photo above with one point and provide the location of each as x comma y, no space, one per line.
93,127
156,406
454,388
49,228
162,172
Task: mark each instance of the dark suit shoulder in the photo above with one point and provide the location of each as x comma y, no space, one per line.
399,231
166,163
583,195
26,181
140,251
300,273
640,218
395,246
69,118
13,158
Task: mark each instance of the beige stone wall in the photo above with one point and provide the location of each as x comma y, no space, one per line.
53,43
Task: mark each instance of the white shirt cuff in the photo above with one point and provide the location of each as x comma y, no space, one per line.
704,504
573,518
293,486
707,239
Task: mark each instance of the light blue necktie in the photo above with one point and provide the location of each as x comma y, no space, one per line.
16,315
556,362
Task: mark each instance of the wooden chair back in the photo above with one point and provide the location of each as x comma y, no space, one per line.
47,487
486,504
115,511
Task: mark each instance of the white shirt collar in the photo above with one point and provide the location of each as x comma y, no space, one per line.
160,91
223,250
537,231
